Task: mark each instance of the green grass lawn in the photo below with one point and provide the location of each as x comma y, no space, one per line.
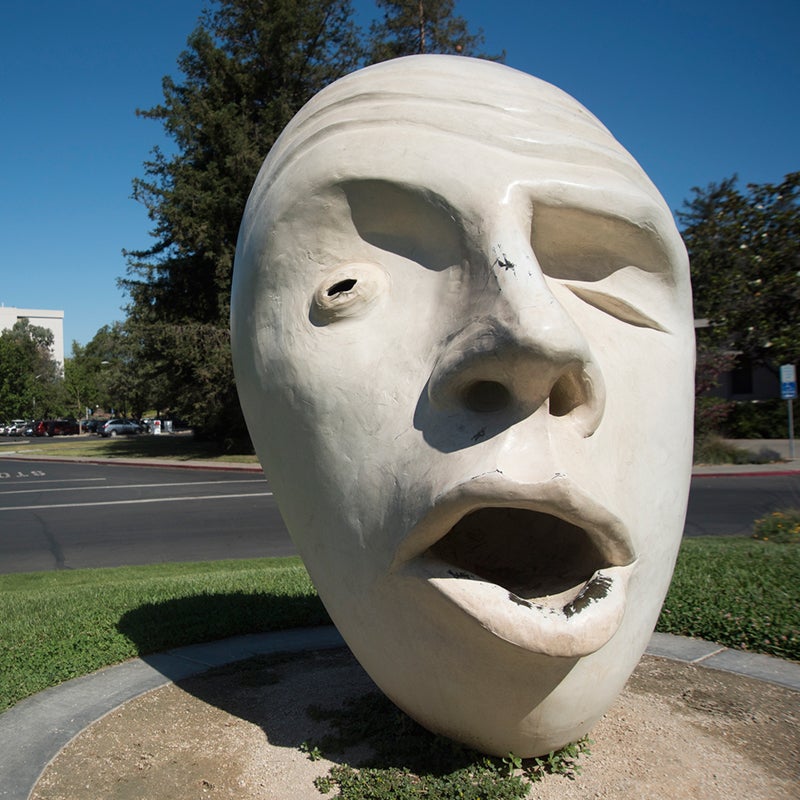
742,593
58,625
177,447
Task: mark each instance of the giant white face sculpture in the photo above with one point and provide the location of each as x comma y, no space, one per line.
463,342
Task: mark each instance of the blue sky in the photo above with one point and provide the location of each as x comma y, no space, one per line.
696,90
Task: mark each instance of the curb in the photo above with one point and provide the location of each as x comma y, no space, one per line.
35,730
219,466
782,469
700,473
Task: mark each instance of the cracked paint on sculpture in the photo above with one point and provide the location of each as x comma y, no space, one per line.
463,342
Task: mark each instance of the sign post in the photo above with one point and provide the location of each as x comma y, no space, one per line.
788,393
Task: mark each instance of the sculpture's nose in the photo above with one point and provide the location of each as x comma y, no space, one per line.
522,352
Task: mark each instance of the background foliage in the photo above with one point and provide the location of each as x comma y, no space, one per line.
30,380
248,68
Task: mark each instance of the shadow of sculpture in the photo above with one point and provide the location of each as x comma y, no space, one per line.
154,627
322,702
316,699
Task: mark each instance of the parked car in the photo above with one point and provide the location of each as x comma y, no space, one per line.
61,427
94,425
31,428
14,428
117,426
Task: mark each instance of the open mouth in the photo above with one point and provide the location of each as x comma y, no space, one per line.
535,556
548,573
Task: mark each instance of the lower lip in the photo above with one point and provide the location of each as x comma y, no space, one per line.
574,624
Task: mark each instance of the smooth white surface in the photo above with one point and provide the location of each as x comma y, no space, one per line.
458,301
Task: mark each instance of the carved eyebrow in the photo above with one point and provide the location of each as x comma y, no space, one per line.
616,307
407,220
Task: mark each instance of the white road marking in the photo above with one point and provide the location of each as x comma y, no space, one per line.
126,486
134,502
51,480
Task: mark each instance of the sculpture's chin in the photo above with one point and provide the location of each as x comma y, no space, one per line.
530,578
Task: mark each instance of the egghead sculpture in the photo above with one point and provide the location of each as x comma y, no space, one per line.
463,342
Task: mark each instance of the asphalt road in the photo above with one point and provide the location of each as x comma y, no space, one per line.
728,506
57,515
61,515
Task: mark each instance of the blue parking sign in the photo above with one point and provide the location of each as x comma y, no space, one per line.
788,382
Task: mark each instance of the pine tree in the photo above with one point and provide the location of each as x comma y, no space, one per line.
411,27
247,69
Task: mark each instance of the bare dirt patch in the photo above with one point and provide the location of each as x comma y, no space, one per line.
675,732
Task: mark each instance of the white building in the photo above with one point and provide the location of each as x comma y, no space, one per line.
52,320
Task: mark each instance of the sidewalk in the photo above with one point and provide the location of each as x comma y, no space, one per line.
779,448
36,729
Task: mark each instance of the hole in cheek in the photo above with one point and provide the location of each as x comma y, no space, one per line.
341,286
348,291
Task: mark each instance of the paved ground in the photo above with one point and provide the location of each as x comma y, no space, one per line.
697,720
61,720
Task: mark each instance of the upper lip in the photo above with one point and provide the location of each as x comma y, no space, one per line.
559,496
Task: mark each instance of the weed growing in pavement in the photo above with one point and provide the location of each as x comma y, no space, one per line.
409,762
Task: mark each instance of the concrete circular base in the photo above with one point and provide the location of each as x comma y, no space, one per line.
235,732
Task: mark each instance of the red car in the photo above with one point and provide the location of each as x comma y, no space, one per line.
60,427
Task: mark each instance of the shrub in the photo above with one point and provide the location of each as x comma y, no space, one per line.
780,527
758,419
713,449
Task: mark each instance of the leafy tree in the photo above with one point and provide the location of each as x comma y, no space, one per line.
744,248
710,411
409,27
248,67
30,379
114,361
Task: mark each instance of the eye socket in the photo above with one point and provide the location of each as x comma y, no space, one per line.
348,291
613,264
415,225
572,244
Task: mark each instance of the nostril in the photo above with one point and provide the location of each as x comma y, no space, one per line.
486,396
567,394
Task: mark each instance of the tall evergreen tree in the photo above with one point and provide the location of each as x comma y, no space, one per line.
411,27
248,67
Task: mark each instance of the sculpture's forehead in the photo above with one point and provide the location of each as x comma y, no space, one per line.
449,116
483,137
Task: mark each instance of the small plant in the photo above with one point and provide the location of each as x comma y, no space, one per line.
312,751
561,762
781,527
408,762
